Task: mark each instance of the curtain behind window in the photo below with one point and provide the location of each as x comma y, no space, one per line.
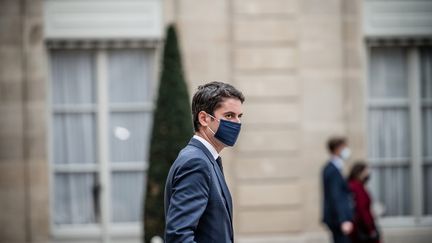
75,138
129,78
74,135
426,98
389,130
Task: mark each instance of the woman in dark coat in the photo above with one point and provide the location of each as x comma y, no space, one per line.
365,230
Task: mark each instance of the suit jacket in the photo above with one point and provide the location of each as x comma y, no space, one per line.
198,204
337,205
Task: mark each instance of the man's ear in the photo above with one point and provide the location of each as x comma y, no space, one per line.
202,118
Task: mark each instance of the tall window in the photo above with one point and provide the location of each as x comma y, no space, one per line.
400,129
101,120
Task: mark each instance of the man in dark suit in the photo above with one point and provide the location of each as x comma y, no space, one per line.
337,199
198,205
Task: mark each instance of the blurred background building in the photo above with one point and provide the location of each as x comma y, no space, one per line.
77,85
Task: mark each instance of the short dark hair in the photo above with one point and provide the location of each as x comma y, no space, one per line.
356,170
334,143
210,96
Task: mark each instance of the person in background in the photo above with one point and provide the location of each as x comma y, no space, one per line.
364,230
337,205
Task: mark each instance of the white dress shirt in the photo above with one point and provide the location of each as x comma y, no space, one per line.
338,162
208,146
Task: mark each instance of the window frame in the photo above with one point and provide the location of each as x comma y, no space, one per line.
104,168
416,160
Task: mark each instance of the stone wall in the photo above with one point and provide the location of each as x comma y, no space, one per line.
266,47
24,170
299,64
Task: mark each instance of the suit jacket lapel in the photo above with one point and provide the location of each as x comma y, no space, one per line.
341,177
225,191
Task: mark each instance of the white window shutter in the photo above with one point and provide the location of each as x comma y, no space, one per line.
397,18
103,19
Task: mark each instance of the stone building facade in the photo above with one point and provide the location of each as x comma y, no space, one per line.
302,65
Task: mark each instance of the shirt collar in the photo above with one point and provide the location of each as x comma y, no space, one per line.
338,162
208,146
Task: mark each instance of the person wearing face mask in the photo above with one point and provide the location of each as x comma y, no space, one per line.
198,204
337,205
365,230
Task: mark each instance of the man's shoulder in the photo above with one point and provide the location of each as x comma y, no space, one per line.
329,167
191,152
330,171
191,156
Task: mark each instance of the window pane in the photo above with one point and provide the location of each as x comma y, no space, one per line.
427,196
426,72
127,196
388,134
74,138
75,198
129,136
388,73
130,73
72,77
389,137
391,187
427,133
426,90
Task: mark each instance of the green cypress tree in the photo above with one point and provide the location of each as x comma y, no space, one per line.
172,129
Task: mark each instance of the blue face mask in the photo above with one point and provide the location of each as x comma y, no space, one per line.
227,132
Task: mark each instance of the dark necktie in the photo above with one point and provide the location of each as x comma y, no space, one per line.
219,161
